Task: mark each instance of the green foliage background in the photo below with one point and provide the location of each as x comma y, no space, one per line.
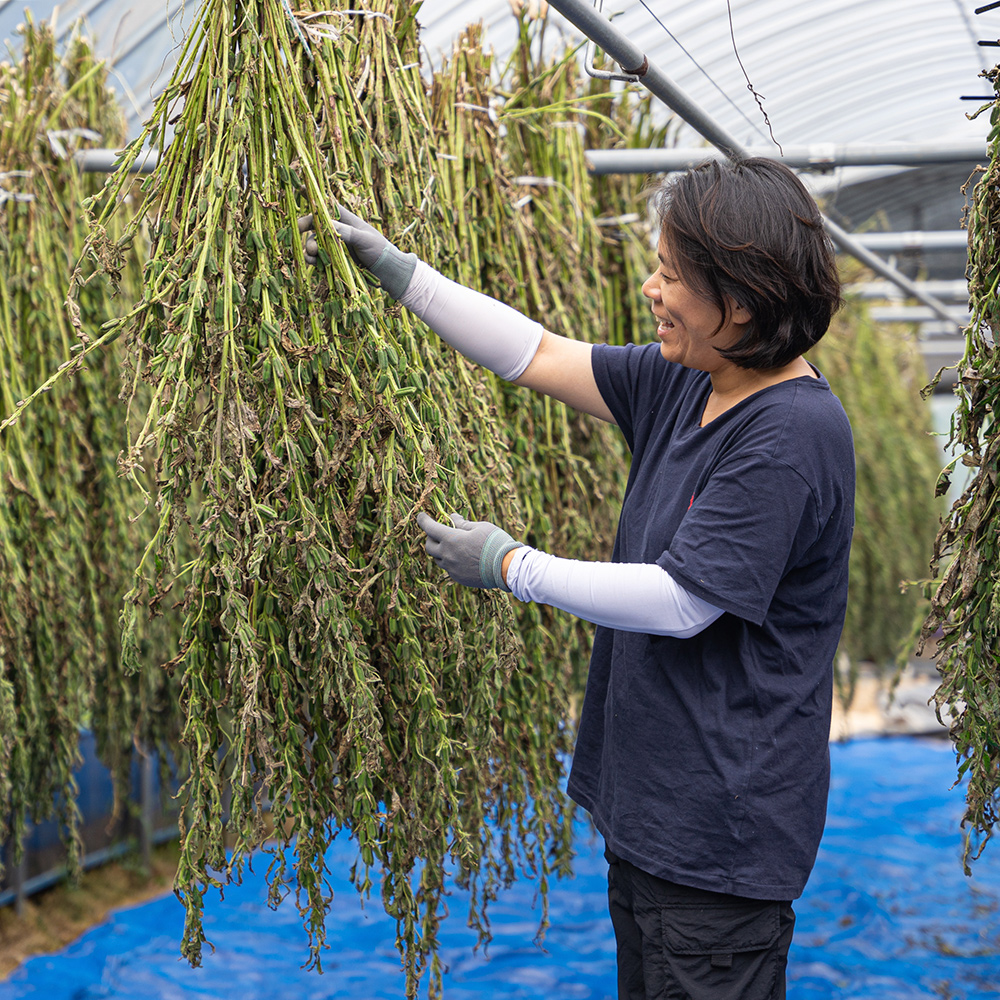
878,373
70,528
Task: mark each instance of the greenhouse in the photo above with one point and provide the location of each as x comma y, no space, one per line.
497,499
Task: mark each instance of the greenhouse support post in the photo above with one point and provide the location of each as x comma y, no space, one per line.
633,61
146,802
19,880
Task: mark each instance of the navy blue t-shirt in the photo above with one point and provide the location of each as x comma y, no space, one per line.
705,761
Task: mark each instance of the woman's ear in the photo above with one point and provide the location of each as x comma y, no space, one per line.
737,313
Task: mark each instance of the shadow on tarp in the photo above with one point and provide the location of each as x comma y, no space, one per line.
887,915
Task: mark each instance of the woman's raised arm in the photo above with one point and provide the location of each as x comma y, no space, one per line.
561,368
483,329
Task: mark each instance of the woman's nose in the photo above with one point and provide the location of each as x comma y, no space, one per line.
650,287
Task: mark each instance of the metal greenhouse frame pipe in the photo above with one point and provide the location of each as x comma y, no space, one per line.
942,239
913,314
105,161
843,240
635,63
956,290
816,156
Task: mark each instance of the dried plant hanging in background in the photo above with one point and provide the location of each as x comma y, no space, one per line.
898,460
964,619
70,528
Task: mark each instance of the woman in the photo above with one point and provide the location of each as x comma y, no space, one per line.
702,751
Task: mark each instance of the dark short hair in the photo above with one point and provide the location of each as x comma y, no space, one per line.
749,230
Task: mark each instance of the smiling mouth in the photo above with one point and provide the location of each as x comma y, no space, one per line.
665,326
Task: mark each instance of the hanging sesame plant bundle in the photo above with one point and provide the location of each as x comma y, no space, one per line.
898,461
965,610
562,488
592,233
620,204
295,421
529,232
68,523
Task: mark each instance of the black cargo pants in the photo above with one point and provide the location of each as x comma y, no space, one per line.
679,943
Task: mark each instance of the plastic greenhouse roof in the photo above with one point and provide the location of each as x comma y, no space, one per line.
830,70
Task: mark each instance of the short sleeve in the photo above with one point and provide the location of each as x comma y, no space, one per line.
636,383
753,518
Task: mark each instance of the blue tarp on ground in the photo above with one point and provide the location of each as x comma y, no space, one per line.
887,915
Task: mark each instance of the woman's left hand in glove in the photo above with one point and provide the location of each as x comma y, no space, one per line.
470,552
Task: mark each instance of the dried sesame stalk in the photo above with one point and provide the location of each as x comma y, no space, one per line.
965,609
295,421
69,526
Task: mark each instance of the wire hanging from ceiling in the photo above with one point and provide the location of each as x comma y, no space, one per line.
757,97
704,72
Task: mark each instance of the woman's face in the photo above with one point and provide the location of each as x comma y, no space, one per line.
688,321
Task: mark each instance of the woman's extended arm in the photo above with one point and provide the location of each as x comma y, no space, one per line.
500,338
481,328
633,597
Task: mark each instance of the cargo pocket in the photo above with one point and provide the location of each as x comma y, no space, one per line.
724,949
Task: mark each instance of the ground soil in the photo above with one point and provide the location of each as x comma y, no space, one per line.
58,916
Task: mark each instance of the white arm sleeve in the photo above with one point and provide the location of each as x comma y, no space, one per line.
633,597
485,330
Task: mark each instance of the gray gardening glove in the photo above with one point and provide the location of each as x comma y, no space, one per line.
369,248
471,552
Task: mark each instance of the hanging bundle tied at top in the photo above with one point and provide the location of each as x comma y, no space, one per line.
297,423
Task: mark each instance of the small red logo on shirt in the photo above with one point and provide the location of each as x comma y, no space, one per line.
691,502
